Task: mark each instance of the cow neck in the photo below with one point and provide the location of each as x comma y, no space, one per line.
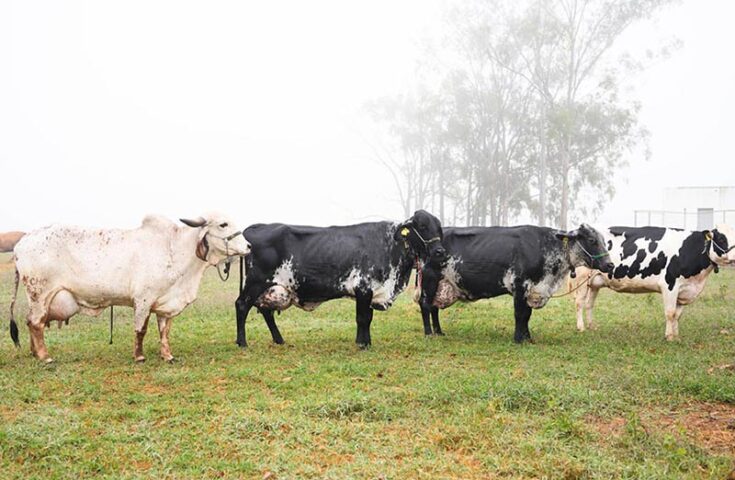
406,262
571,256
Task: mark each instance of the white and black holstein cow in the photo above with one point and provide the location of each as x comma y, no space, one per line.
305,266
528,262
673,262
155,268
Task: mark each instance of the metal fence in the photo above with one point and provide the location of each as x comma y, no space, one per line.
699,219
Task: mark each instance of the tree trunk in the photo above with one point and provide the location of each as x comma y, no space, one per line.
469,198
564,211
542,175
441,198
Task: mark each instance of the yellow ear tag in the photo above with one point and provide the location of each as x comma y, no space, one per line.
404,232
708,236
565,241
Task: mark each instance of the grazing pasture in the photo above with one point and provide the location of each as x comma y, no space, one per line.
617,402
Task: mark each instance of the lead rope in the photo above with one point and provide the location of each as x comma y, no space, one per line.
226,275
586,280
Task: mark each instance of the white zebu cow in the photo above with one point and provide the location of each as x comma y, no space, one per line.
673,262
155,268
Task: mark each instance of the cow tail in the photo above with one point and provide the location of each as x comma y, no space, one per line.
13,325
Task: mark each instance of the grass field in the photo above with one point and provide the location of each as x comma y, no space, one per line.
618,402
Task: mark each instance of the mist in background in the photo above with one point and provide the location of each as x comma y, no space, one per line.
112,111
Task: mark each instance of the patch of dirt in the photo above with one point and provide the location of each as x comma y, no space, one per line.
607,427
710,426
725,366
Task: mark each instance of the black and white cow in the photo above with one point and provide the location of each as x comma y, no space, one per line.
528,262
673,262
305,266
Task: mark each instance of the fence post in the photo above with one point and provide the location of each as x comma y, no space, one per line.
685,219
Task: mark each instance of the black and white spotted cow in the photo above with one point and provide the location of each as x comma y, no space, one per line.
528,262
305,266
673,262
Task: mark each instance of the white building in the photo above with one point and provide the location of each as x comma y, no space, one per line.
692,208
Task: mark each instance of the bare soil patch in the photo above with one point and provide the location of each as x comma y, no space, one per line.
710,426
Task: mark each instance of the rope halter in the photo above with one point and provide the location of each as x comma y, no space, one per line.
226,275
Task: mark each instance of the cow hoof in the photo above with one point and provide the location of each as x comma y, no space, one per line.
169,360
279,341
439,334
140,359
363,346
47,360
671,338
243,346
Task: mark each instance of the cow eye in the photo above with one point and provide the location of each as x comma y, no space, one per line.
223,225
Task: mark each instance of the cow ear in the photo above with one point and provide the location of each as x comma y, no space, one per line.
402,231
196,223
203,248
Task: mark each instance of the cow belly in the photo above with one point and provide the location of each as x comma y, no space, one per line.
446,294
634,285
276,297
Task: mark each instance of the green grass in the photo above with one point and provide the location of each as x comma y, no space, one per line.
469,405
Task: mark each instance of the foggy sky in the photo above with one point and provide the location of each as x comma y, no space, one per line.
109,111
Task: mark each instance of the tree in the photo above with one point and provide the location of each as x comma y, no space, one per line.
565,48
525,101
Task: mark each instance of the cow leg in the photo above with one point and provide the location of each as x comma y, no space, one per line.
435,321
677,316
590,305
522,316
670,307
242,309
141,327
429,286
36,323
580,302
271,322
364,316
164,327
425,316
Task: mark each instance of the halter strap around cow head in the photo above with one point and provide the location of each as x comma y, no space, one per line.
406,230
710,239
573,273
203,245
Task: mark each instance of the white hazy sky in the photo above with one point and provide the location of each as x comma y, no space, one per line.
111,110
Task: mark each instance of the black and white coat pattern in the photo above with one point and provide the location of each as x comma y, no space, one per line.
528,262
305,266
673,262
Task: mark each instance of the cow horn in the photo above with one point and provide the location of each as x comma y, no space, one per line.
199,222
